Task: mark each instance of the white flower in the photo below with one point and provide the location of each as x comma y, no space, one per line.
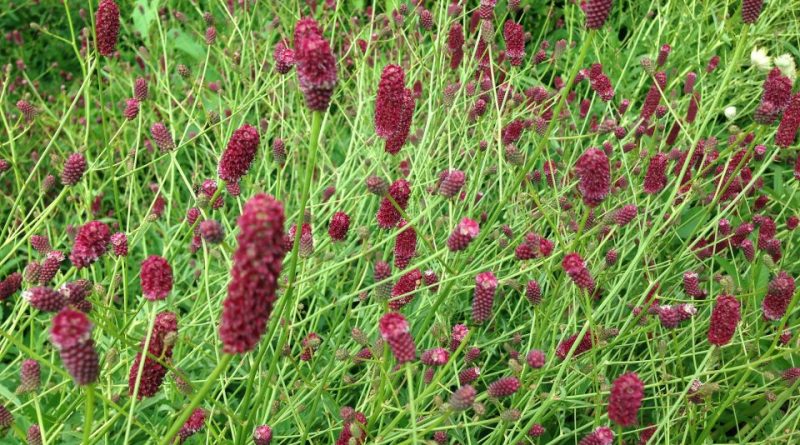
760,59
730,113
785,62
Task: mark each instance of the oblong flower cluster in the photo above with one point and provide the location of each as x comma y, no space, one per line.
404,290
596,12
71,334
466,231
483,297
159,351
627,393
394,330
91,243
74,168
576,269
388,216
405,245
316,66
389,100
238,156
339,225
600,83
514,36
155,276
107,27
503,387
594,171
724,318
257,264
779,295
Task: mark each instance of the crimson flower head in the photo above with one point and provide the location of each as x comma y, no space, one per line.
601,436
451,182
388,216
462,398
262,435
9,285
238,157
316,66
779,295
455,44
600,83
576,269
156,278
390,99
339,225
596,12
483,298
44,299
398,138
751,9
405,245
724,318
107,26
503,387
594,172
74,168
565,345
464,233
404,290
193,424
514,35
394,330
283,57
71,333
162,136
656,177
787,129
91,243
627,393
153,371
435,357
257,264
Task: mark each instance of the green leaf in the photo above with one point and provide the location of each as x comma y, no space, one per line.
184,42
692,218
144,12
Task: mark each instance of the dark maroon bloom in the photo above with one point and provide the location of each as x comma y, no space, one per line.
316,66
691,285
40,243
452,183
600,436
381,271
262,435
533,292
503,387
425,19
779,295
395,331
600,83
306,247
389,101
624,215
514,36
10,284
576,269
71,333
283,57
564,347
339,225
193,424
483,297
596,12
156,278
777,95
211,35
50,266
162,136
211,231
455,43
469,375
140,89
724,318
74,168
6,419
159,351
353,432
405,245
119,241
254,276
594,171
656,177
131,109
107,27
791,375
192,215
464,233
486,9
663,53
91,243
653,97
751,9
29,376
403,292
388,216
27,110
398,138
239,155
535,358
627,393
44,299
787,129
462,398
435,357
457,336
611,257
279,151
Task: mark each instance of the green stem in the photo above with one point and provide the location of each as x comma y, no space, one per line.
88,416
212,379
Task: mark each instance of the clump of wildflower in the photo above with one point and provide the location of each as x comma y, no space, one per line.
405,245
131,109
535,358
283,58
576,269
107,27
451,183
71,333
600,83
455,44
533,292
724,318
565,345
787,129
257,264
627,393
394,330
44,299
211,231
398,138
10,284
751,9
656,177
